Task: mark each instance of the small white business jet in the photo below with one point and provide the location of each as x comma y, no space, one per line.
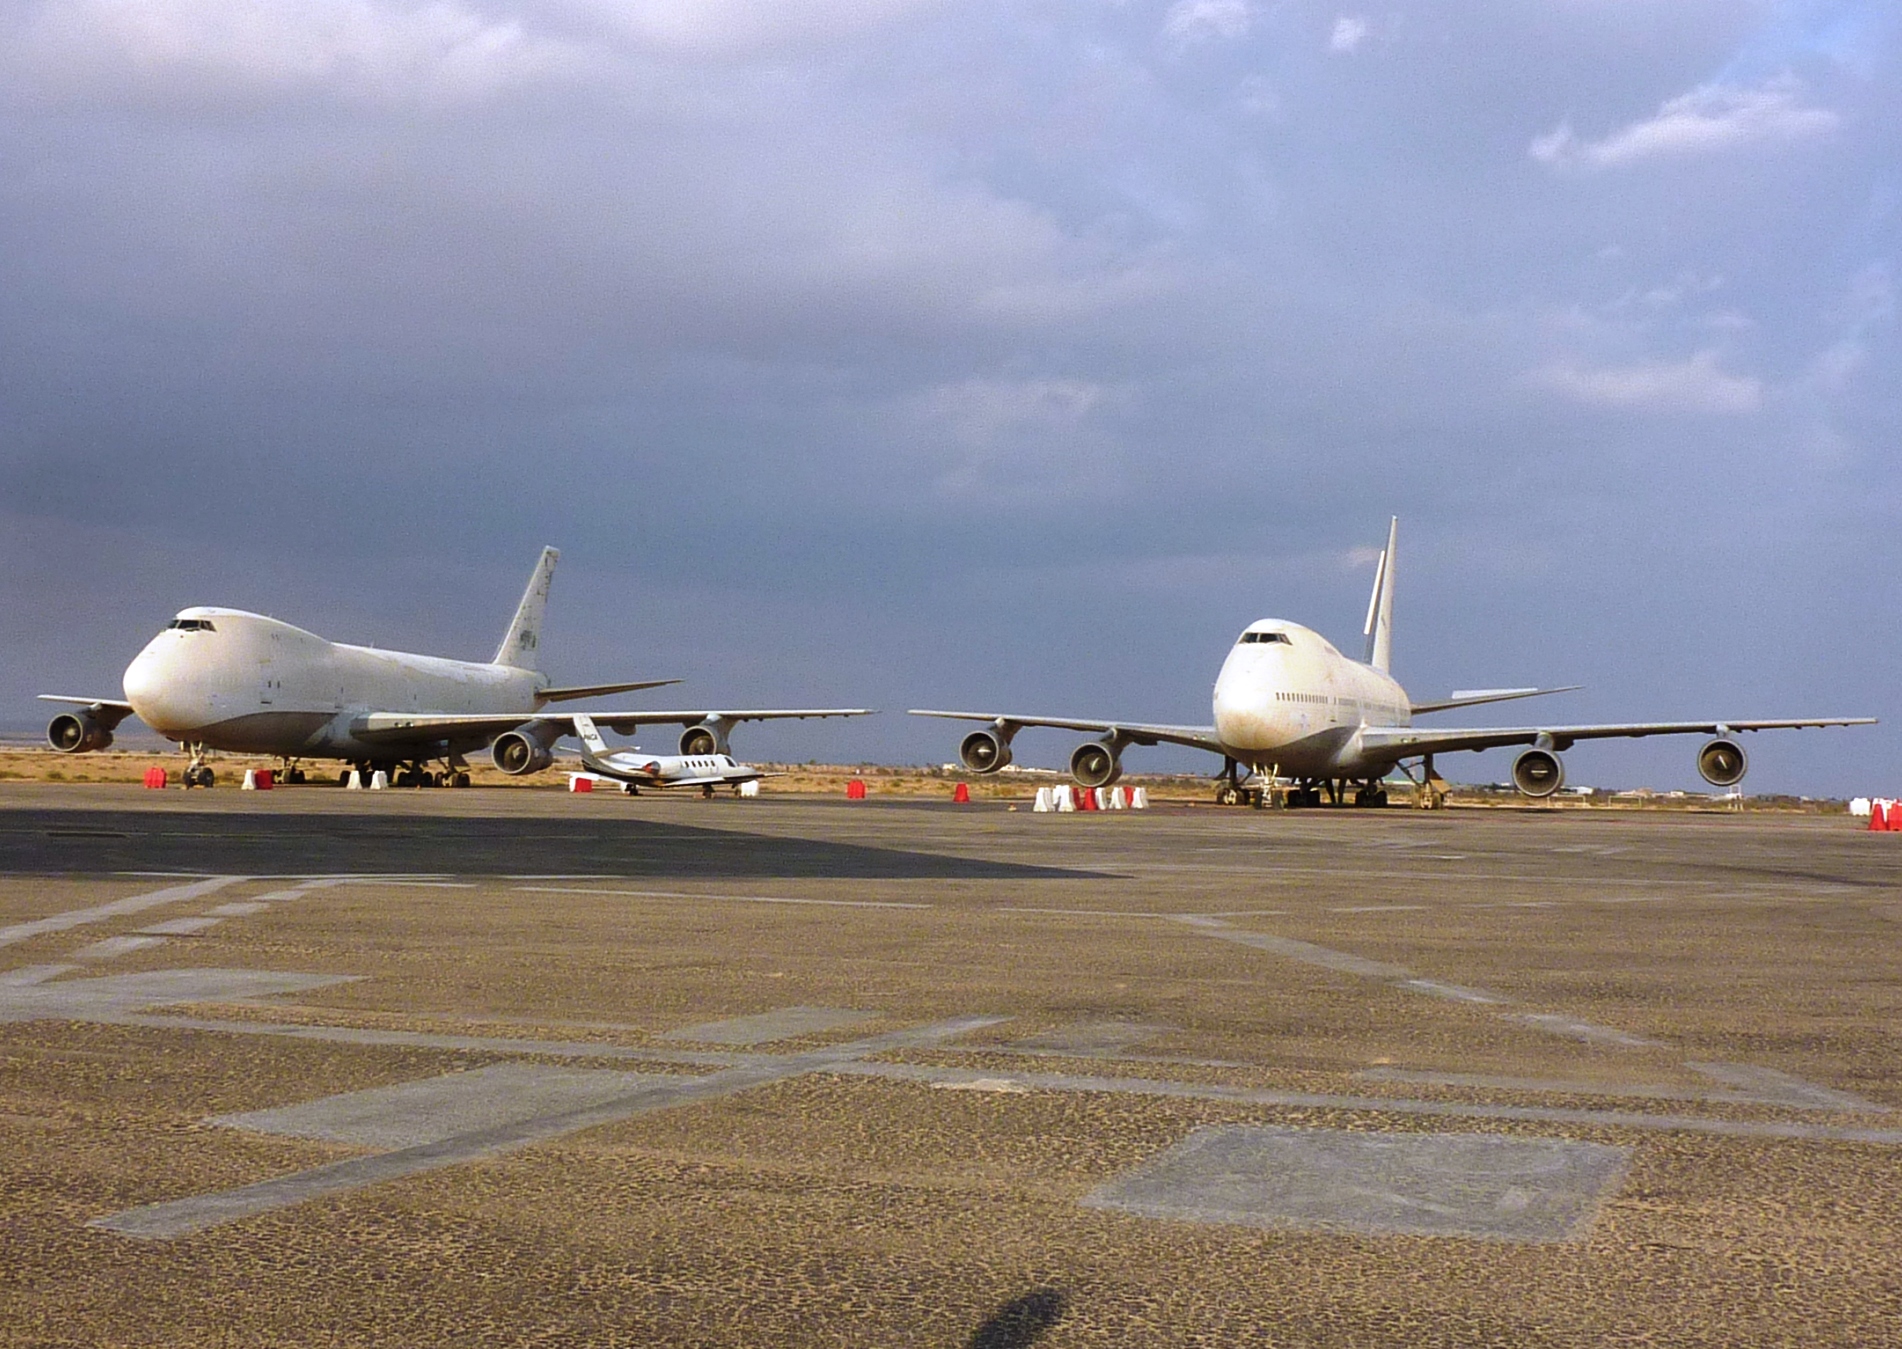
224,679
634,769
1291,708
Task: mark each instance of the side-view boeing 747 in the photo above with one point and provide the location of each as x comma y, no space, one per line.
1291,708
224,679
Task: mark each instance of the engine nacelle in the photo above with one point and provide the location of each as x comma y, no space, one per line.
984,751
1096,763
77,733
702,738
1722,763
518,753
1538,772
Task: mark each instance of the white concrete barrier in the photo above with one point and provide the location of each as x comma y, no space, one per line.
1066,799
1043,800
749,788
1859,807
1139,798
379,780
355,783
1118,799
250,783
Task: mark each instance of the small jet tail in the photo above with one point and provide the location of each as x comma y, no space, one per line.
585,729
521,646
1379,627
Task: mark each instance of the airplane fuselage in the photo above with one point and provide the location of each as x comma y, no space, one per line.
1286,701
672,770
241,682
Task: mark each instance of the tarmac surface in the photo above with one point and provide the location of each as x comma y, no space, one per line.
509,1067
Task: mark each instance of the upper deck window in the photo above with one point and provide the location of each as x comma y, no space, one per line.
1266,637
192,625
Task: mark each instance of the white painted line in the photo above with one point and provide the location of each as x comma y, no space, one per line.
557,876
240,909
180,927
1382,908
61,922
413,885
733,899
112,947
28,975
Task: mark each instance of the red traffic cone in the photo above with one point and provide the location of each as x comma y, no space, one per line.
1878,817
962,794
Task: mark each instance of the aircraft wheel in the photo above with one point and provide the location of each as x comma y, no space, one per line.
462,779
1227,794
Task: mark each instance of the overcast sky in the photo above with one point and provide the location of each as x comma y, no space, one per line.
1006,356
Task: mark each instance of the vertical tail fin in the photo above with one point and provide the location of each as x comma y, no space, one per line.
1379,628
588,735
521,646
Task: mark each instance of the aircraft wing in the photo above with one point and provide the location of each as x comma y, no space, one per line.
410,726
109,711
1411,740
1135,732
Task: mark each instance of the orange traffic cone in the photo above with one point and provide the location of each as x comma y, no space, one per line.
1878,817
962,795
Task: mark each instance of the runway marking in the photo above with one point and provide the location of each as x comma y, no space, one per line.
1489,1186
787,1023
1574,1029
240,909
1434,988
1382,908
28,975
180,927
118,908
1386,1105
114,947
181,1217
731,899
1559,1087
1769,1084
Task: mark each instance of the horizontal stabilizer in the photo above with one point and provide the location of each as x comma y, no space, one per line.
1474,697
562,695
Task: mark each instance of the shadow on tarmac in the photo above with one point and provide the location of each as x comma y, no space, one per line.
1021,1321
99,842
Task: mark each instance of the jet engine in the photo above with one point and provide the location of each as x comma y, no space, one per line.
701,739
1722,763
1096,763
518,752
984,751
76,733
1538,772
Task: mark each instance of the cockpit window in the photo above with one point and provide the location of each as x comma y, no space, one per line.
1266,637
191,625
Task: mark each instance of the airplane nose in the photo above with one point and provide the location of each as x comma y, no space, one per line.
153,693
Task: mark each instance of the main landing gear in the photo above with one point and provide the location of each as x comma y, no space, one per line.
1263,789
415,773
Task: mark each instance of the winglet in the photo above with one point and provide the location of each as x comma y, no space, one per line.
521,645
1379,626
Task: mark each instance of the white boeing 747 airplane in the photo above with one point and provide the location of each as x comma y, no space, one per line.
1289,706
635,769
224,679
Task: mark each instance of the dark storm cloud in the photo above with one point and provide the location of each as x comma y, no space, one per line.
931,353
